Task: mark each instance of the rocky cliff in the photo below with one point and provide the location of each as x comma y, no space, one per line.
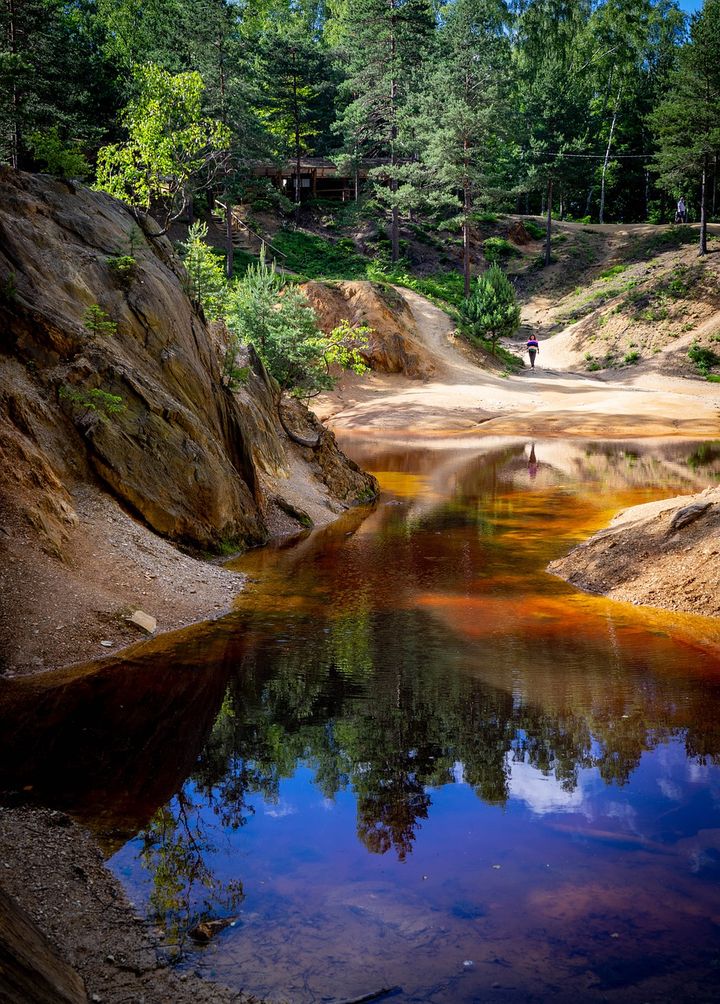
115,427
393,342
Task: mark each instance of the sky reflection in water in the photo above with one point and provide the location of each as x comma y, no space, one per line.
431,753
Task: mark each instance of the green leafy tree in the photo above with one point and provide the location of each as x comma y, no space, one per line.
687,122
206,283
492,311
171,148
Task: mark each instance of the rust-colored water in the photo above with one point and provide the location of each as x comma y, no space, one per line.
425,762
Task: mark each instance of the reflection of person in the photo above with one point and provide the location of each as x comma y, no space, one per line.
681,215
532,463
533,347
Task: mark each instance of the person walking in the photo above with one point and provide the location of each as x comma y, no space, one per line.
681,215
533,347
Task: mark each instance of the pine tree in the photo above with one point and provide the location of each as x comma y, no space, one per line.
382,44
491,311
293,73
687,122
554,56
466,109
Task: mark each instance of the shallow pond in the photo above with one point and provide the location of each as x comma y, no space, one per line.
412,758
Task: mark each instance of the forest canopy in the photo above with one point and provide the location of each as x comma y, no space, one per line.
602,111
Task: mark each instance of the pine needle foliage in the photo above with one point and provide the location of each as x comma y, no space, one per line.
491,311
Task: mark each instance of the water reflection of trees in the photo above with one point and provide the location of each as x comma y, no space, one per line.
393,735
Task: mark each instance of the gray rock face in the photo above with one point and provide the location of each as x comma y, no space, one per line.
687,515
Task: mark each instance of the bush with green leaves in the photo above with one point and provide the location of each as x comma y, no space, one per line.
96,400
498,249
206,283
491,311
98,322
534,229
277,319
60,157
123,268
705,359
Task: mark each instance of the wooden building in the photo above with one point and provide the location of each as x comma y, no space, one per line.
319,179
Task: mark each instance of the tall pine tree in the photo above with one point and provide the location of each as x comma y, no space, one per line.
382,45
687,122
466,109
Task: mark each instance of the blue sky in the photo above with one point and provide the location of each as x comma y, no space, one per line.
691,5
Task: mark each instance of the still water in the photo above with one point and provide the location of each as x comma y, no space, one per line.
411,758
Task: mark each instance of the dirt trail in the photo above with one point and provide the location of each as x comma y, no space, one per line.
463,400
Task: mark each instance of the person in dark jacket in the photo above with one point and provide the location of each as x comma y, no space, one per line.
533,347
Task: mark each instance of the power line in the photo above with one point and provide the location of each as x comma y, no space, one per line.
595,156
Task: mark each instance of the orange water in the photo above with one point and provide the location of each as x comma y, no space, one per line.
413,758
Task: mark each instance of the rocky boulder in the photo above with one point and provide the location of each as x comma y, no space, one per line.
393,344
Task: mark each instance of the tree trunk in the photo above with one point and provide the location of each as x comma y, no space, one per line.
357,174
607,158
588,200
548,227
298,150
467,206
15,96
715,180
703,209
229,248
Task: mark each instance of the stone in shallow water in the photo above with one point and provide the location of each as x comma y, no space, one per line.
143,621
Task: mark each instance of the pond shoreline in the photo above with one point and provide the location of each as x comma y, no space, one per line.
55,872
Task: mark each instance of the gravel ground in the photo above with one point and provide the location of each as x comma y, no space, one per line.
55,872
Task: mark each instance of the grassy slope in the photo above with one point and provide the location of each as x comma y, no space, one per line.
630,295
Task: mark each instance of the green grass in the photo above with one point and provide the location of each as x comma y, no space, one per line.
316,258
497,249
609,273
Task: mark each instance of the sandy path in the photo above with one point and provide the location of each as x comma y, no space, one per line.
463,400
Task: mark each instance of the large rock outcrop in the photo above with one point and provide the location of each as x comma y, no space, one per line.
393,344
111,382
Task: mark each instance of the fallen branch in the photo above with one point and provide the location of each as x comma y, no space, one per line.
385,992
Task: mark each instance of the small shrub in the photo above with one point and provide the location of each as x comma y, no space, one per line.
206,284
498,249
631,358
485,217
97,322
491,311
704,358
609,273
94,400
123,268
534,229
